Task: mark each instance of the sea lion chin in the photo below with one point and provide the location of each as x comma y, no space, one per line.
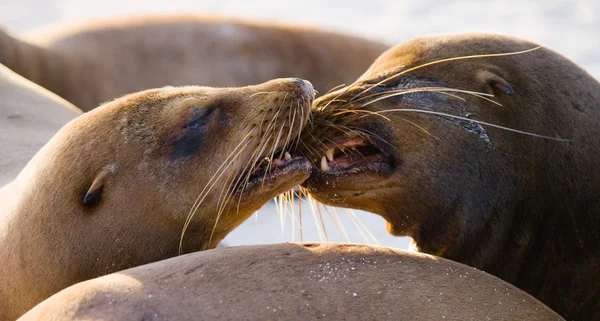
484,149
143,178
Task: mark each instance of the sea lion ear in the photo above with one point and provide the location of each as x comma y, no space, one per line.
495,83
94,193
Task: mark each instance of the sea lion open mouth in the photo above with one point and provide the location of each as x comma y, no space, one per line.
268,172
352,156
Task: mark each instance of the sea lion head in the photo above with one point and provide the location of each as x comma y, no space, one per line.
410,139
155,163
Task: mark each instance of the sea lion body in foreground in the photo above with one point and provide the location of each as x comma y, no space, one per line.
295,282
29,116
116,187
523,208
92,63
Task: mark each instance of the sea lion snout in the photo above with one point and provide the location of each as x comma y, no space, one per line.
304,86
299,87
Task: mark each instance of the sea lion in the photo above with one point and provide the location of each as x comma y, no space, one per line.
29,116
295,282
89,64
117,186
417,140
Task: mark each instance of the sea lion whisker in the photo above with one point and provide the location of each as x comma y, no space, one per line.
475,121
343,128
371,134
357,226
291,115
222,205
261,93
311,150
475,94
320,217
422,89
272,122
449,60
324,148
357,111
337,218
338,96
241,144
420,128
482,97
220,171
320,228
299,220
315,206
364,227
413,89
334,89
255,158
458,97
274,149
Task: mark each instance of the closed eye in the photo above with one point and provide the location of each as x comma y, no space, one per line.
199,118
191,135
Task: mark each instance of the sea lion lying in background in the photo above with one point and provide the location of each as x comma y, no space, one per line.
92,63
29,116
488,160
117,187
295,282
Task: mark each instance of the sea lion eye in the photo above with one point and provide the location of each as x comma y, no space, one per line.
199,118
191,135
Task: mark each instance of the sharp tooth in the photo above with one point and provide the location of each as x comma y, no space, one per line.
342,148
288,156
330,153
324,165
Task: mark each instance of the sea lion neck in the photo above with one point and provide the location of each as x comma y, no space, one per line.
44,65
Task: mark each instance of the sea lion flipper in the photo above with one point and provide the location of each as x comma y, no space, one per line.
495,82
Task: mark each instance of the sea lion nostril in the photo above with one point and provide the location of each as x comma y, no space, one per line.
303,85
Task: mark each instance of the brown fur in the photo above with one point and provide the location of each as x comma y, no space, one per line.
92,63
295,282
29,116
113,188
523,208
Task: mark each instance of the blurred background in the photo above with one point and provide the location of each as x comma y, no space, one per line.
569,27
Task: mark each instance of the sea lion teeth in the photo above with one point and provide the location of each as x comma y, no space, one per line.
288,156
324,165
330,152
